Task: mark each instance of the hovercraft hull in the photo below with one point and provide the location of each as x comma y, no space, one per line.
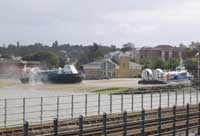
62,78
54,77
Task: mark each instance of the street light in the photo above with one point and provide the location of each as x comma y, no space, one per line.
198,59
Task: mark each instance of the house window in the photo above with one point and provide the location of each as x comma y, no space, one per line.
109,74
99,73
108,65
104,65
113,74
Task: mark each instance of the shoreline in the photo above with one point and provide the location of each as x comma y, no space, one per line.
13,88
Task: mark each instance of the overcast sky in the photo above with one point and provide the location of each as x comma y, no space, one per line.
143,22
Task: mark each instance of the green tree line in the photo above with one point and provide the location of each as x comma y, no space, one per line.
56,54
190,64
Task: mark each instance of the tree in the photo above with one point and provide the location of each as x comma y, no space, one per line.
146,63
113,47
182,45
172,64
55,44
127,47
48,59
158,64
83,54
18,44
191,64
94,52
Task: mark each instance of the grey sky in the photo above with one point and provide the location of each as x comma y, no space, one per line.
143,22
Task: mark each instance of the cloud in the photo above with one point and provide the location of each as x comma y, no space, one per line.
107,21
169,22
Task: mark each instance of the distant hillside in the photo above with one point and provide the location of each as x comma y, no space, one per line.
76,53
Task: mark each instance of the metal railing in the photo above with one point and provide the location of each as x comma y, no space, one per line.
162,121
35,110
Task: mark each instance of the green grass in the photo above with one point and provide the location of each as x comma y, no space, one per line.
7,83
140,89
113,90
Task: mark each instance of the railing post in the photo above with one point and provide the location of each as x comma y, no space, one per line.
26,125
72,106
187,120
99,103
81,125
55,127
176,98
125,123
183,97
57,110
168,98
190,95
142,100
197,96
110,103
143,122
86,102
174,121
199,119
104,124
142,105
122,102
5,113
151,99
132,101
41,110
198,93
24,108
159,121
160,104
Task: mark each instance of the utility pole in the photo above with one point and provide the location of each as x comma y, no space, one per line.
106,69
198,63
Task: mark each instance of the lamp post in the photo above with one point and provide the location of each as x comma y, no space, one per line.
106,69
198,63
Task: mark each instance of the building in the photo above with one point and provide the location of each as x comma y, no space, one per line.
117,65
164,52
194,45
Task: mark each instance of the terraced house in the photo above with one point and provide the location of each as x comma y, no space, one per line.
116,65
163,52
